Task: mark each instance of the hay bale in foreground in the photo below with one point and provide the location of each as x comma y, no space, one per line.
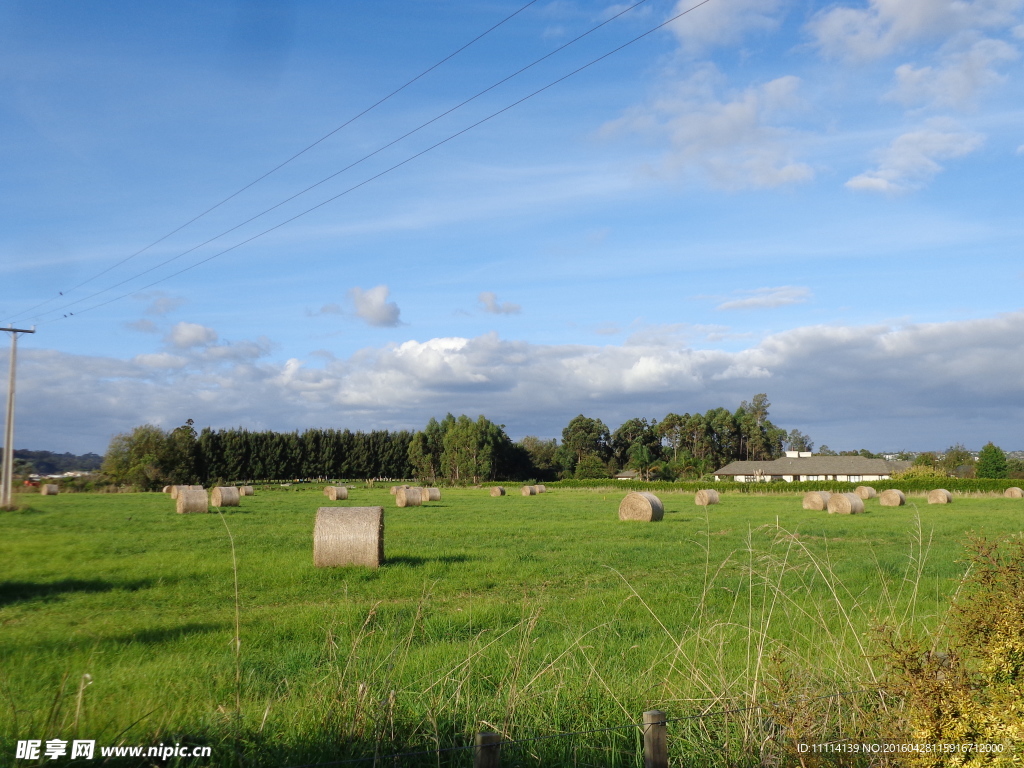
246,490
845,504
336,493
1014,493
190,501
541,489
940,496
865,492
816,500
408,497
430,494
348,536
497,491
529,490
49,489
706,497
226,496
643,506
892,498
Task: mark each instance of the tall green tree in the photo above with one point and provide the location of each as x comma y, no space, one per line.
141,458
584,436
991,462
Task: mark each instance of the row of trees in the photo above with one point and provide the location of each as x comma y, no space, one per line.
454,450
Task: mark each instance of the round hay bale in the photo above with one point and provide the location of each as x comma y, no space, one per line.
431,494
529,490
246,490
196,488
190,501
336,493
1013,493
892,498
816,500
497,491
226,496
706,497
49,489
541,489
408,497
940,496
348,536
174,490
394,488
166,489
865,492
845,504
643,506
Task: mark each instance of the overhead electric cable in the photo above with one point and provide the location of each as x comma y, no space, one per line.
404,162
350,165
281,165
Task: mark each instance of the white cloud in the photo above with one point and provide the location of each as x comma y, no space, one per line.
734,143
916,386
958,80
768,298
910,161
490,303
161,360
723,22
883,27
185,335
373,306
142,325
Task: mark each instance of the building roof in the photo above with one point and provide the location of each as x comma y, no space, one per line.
816,465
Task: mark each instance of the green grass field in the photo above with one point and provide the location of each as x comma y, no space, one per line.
522,615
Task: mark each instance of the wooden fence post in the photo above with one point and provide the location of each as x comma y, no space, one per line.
487,753
655,739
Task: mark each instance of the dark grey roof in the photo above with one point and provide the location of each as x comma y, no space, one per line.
816,465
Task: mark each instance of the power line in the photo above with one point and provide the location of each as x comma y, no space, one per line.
350,165
409,159
281,165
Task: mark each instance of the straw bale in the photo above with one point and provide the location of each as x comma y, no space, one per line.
892,498
865,492
845,504
336,493
1013,493
394,488
167,489
643,506
541,489
529,490
348,536
190,501
940,496
174,491
226,496
408,497
49,489
497,491
816,500
706,498
246,490
195,487
431,494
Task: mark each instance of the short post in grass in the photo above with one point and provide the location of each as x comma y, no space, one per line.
487,753
655,739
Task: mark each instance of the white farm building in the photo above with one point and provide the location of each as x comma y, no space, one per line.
797,467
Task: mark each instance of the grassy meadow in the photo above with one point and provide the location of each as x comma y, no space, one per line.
522,615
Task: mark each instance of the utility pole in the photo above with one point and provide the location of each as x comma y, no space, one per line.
7,476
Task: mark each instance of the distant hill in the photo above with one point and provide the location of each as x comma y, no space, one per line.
49,463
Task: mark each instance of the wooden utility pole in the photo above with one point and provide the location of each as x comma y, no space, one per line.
7,475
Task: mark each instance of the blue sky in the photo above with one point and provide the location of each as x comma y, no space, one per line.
820,201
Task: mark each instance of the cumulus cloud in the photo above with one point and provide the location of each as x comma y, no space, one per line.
735,142
958,81
373,307
916,386
490,303
724,22
910,161
767,298
885,26
185,335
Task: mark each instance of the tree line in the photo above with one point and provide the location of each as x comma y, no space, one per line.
453,450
